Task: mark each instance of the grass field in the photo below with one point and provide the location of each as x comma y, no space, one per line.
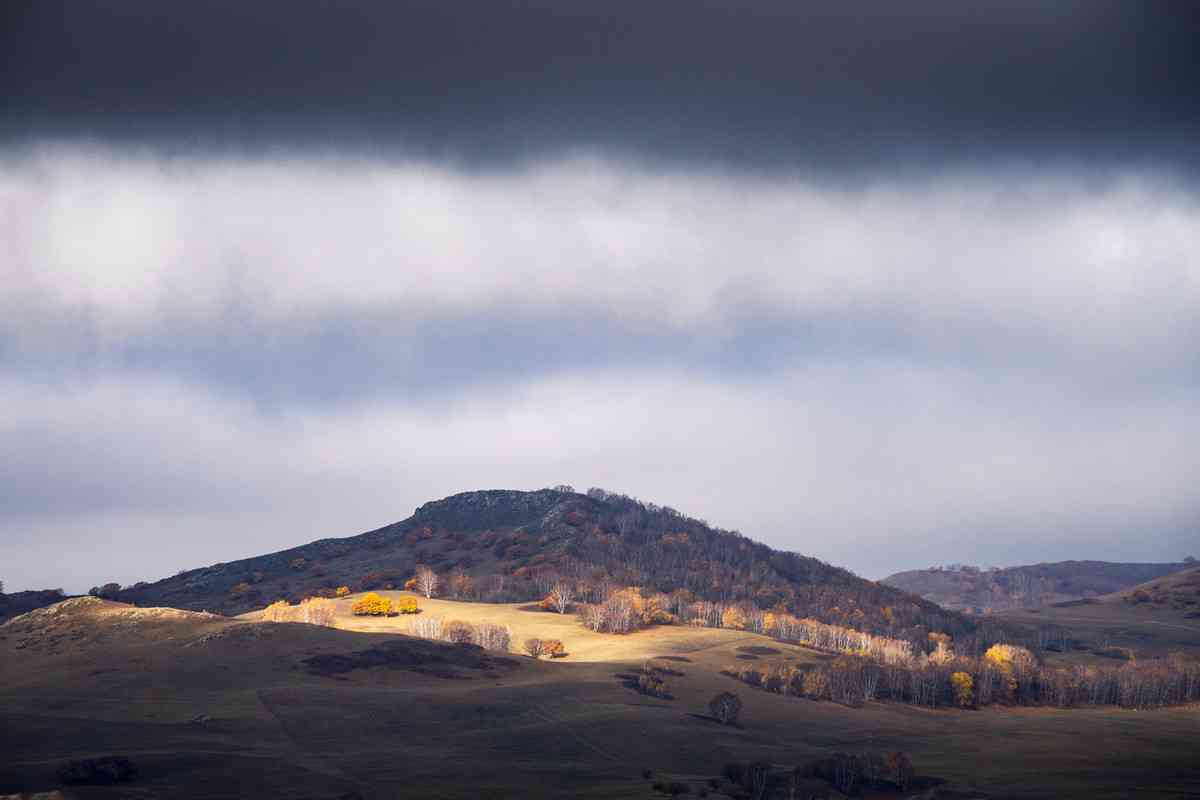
213,708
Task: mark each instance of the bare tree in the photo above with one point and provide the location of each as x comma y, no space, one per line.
490,636
317,611
534,647
560,596
426,628
427,581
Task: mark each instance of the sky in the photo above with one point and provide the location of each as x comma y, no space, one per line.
891,285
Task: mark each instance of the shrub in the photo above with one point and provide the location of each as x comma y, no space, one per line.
459,632
372,605
407,605
900,770
426,627
653,685
342,591
98,771
491,636
725,707
553,648
533,647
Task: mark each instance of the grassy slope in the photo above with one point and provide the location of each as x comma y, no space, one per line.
1150,629
119,684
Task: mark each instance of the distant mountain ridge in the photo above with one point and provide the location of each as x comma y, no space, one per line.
510,546
17,603
975,590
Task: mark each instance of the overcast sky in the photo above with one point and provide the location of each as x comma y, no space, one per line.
887,286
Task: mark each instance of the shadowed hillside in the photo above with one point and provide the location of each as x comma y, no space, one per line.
1151,620
967,588
17,603
512,546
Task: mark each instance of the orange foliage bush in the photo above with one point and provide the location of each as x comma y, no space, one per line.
407,605
372,605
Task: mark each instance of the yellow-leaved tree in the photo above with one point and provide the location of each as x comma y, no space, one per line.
733,617
1010,656
964,687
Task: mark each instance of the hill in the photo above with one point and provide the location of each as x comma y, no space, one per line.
512,546
982,591
1151,620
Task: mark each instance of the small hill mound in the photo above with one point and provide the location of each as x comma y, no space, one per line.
966,588
89,621
1179,591
506,546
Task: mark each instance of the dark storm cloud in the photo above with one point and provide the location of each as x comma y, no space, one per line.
847,85
275,271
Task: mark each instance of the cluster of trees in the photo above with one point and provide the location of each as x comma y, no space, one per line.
1006,674
651,679
487,635
850,773
625,610
313,610
830,638
109,591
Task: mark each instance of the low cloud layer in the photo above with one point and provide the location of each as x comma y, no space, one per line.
206,357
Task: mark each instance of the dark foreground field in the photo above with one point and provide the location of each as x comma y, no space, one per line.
209,708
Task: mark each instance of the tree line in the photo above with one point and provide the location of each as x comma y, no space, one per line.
1005,674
